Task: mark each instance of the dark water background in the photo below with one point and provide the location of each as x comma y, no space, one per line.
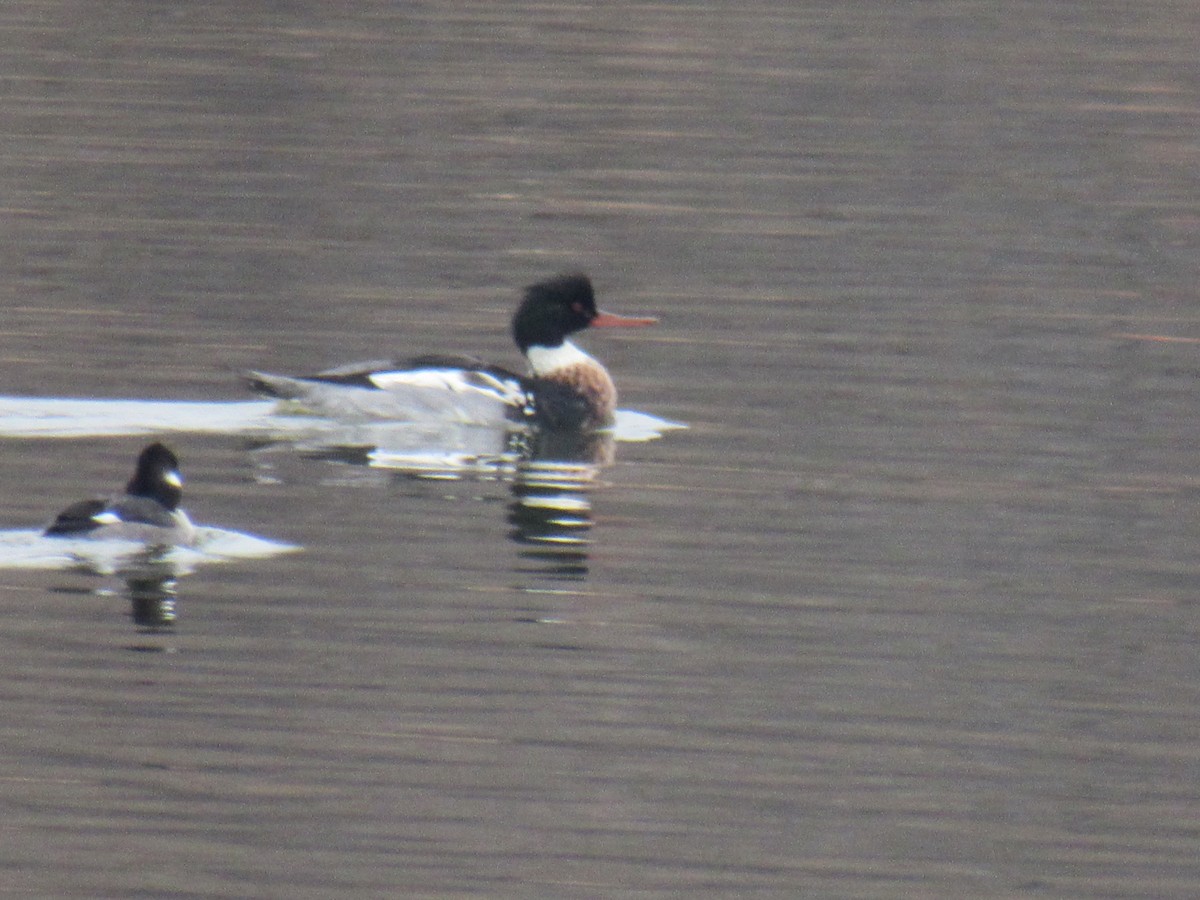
911,609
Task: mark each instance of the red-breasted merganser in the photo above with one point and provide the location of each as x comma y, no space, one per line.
565,387
148,511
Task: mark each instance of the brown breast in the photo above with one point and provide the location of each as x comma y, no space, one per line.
592,383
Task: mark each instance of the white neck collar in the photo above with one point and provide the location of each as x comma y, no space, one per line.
547,360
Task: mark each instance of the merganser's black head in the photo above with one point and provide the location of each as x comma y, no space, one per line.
558,307
157,477
552,309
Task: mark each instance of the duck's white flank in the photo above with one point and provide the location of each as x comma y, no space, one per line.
457,381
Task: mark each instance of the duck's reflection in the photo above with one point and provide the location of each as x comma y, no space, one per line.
151,574
551,515
551,507
152,600
150,590
550,476
151,582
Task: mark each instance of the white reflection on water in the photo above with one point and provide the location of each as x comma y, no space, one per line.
550,476
30,549
464,449
150,574
65,417
435,449
69,417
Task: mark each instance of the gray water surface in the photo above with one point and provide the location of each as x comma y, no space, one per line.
908,611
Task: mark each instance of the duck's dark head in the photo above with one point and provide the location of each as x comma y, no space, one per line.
157,476
561,306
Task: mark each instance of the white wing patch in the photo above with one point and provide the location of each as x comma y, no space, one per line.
457,381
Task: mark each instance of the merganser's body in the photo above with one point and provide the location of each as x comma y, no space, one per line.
565,387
